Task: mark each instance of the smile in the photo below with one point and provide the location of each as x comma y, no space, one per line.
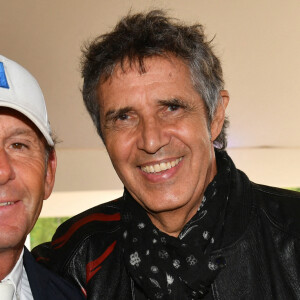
156,168
6,203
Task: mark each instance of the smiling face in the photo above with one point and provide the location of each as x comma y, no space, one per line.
156,133
25,178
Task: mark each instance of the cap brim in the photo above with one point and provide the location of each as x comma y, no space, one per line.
31,117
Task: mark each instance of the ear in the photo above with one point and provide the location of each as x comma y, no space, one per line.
50,174
219,116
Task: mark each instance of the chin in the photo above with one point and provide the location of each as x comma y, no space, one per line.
166,205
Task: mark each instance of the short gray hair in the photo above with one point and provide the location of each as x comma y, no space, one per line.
139,36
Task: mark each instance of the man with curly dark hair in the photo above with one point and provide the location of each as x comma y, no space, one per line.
189,225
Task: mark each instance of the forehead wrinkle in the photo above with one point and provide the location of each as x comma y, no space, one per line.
133,69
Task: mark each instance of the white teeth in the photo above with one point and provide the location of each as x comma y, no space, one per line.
157,168
6,203
162,166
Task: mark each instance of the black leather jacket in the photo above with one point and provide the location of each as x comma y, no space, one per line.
261,247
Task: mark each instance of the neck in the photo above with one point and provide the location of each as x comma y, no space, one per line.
8,259
172,222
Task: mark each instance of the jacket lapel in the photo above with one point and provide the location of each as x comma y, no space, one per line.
36,276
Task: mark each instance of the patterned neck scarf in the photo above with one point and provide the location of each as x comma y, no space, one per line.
165,267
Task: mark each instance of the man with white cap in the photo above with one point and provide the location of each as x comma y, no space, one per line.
27,172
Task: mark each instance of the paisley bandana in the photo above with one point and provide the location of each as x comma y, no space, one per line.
165,267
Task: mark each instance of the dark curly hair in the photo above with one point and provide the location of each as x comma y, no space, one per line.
140,36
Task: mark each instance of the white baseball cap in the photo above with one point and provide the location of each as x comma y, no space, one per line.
19,90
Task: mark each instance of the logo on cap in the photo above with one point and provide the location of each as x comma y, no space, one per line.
3,79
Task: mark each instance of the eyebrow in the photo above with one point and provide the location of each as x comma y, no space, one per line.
114,113
173,101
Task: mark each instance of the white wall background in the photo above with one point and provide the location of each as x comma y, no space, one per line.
257,41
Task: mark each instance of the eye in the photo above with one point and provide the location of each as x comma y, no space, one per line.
173,107
19,146
122,117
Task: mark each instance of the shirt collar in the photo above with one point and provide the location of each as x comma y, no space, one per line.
15,276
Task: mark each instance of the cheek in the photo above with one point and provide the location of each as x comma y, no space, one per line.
193,134
32,178
36,190
32,213
121,148
34,206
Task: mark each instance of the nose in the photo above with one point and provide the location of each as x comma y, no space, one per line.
153,135
6,169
